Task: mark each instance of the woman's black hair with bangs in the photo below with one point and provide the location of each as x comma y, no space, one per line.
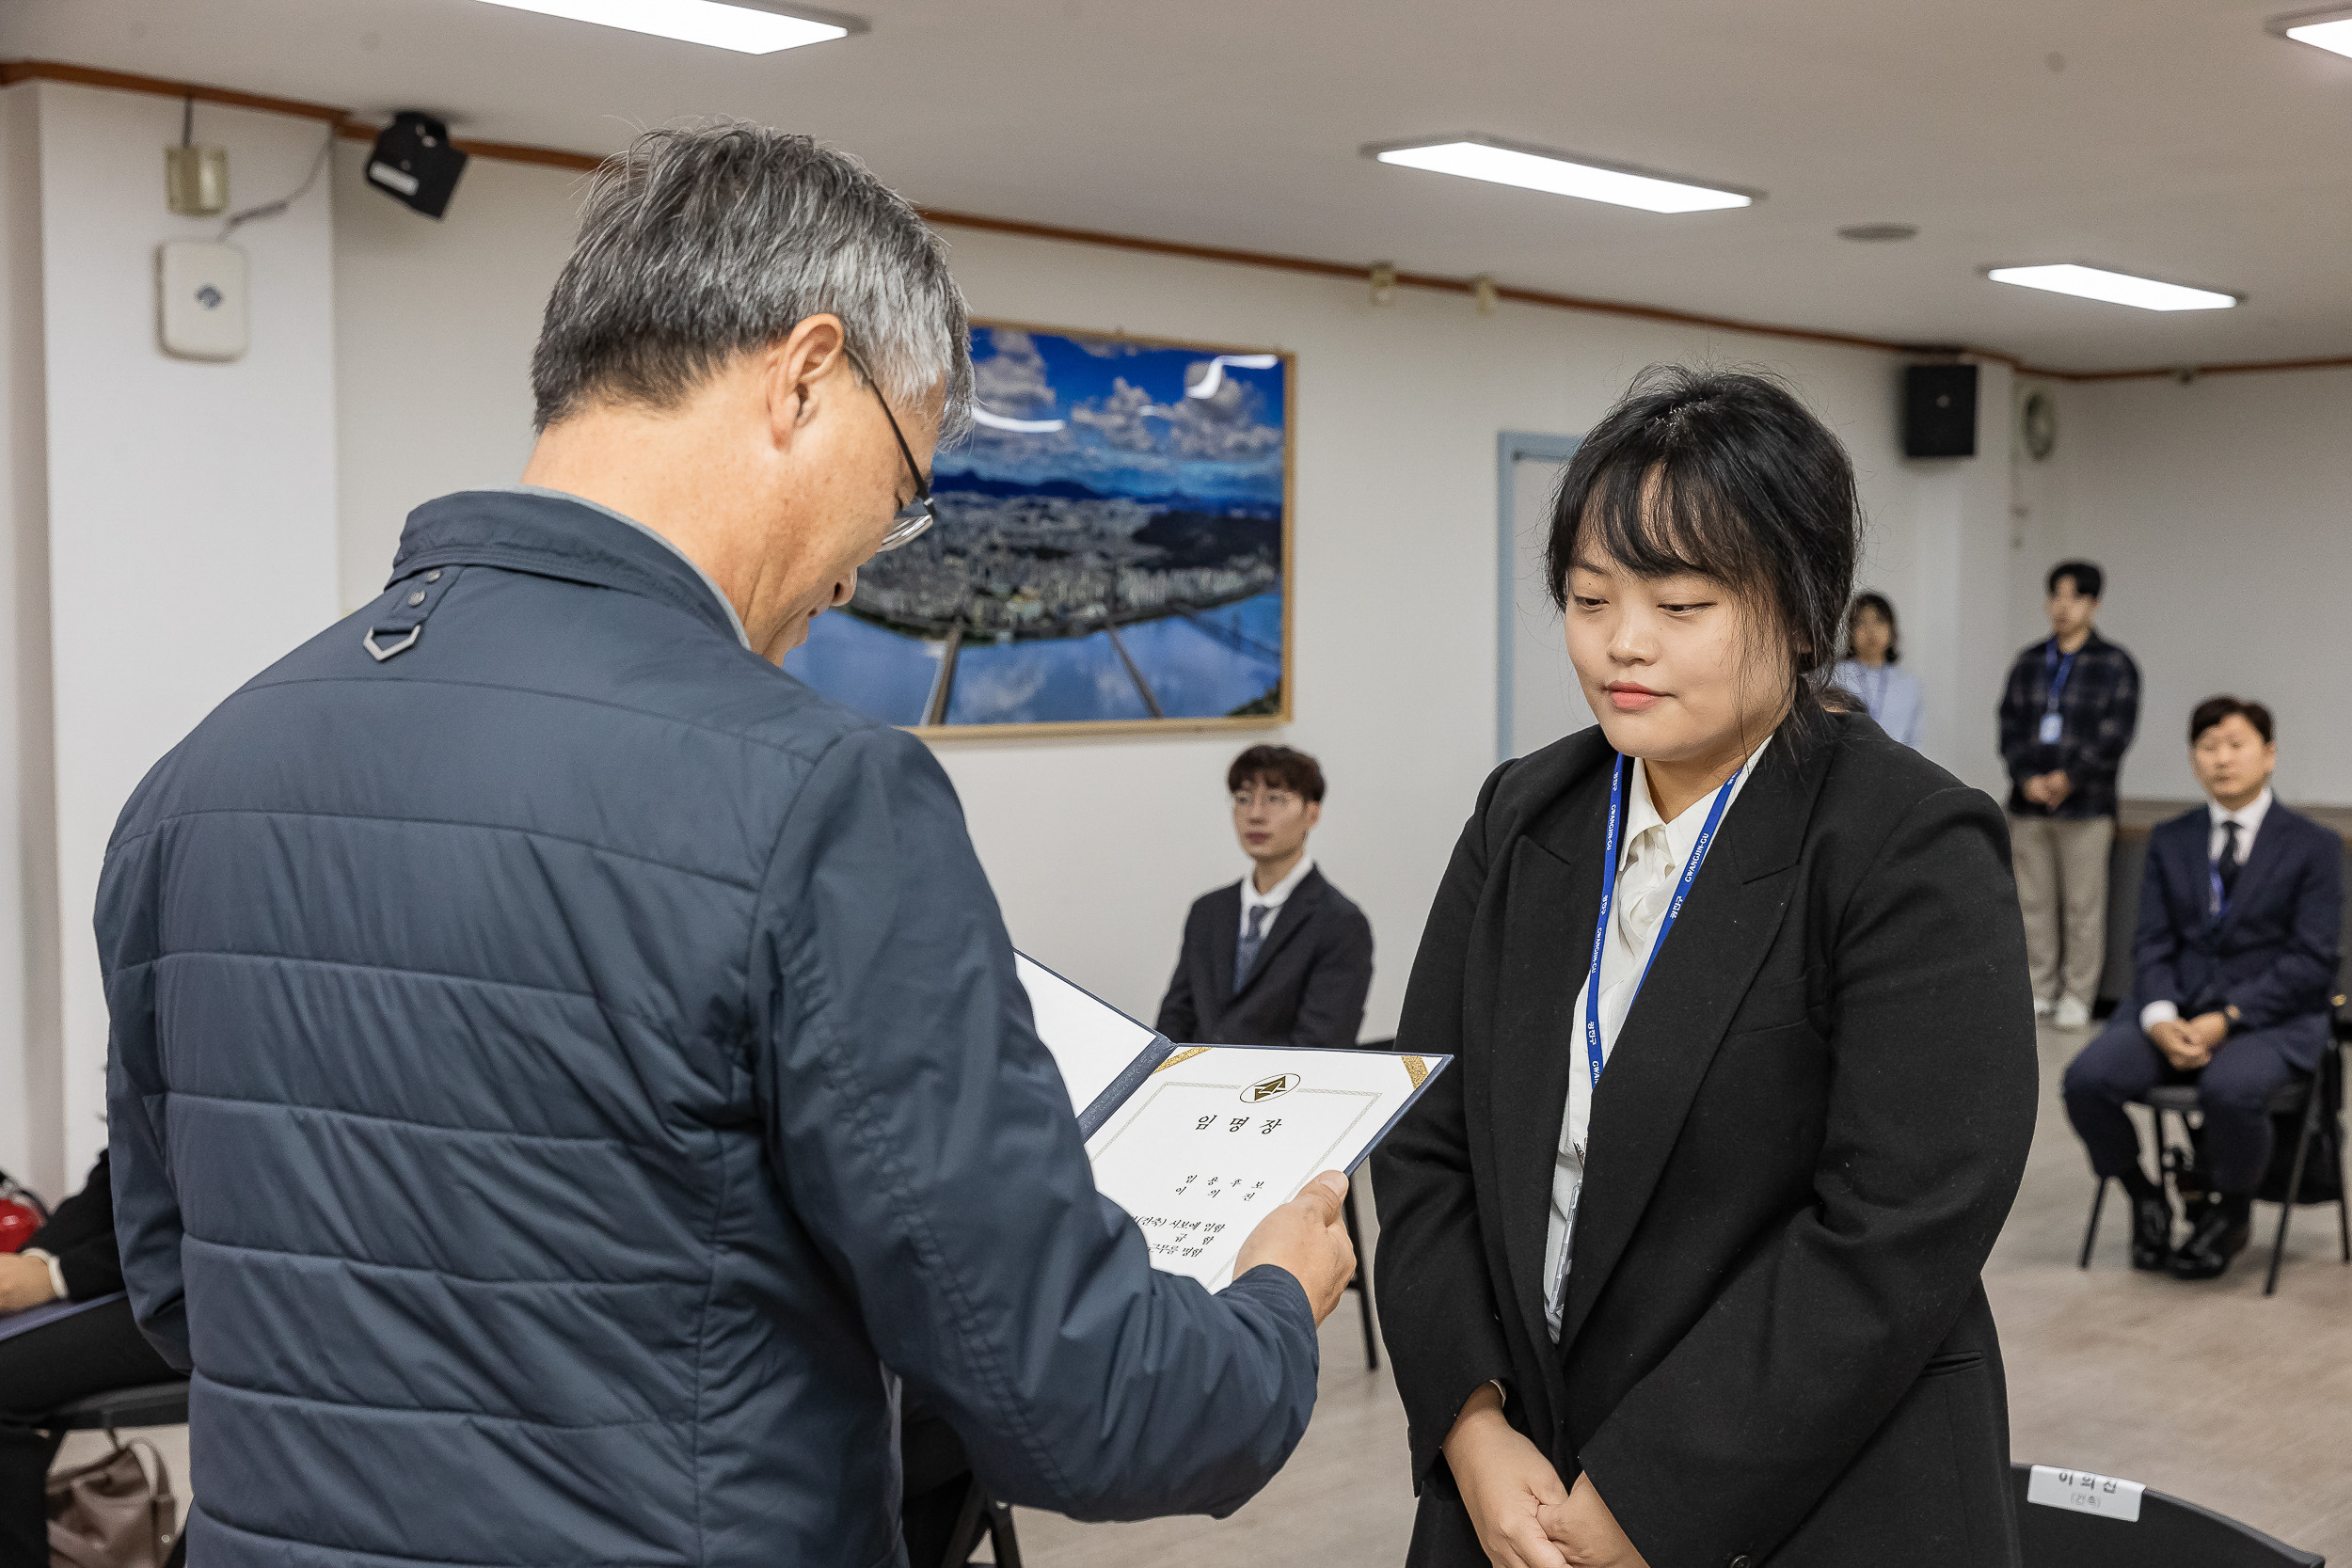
1725,474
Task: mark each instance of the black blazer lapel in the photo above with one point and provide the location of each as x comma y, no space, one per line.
1695,986
1551,901
1223,933
2179,846
1296,912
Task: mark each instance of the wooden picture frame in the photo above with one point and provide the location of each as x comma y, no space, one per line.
900,600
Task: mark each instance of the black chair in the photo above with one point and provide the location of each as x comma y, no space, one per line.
2169,1533
2316,1105
151,1404
1357,1284
935,1474
982,1515
1361,1282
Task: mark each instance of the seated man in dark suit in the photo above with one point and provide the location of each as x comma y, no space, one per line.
1280,958
73,1257
2234,966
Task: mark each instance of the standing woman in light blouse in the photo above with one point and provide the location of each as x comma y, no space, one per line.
1718,1305
1868,672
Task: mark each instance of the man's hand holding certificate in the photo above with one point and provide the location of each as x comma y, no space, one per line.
1214,1150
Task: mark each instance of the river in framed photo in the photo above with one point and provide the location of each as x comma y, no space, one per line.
1112,548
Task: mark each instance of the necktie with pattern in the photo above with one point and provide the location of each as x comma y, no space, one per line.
2228,866
1252,938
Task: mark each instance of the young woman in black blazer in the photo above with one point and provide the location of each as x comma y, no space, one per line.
1721,1307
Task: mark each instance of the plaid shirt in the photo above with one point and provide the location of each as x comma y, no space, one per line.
2099,707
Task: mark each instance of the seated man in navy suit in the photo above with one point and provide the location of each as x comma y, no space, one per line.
1280,958
2233,967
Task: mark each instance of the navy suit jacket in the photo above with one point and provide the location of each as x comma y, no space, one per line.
2272,954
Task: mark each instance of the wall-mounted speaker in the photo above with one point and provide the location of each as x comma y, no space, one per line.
1940,411
413,163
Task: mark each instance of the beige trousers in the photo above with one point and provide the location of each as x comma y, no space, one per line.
2062,891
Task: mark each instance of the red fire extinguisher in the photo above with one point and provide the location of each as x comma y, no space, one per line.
20,1214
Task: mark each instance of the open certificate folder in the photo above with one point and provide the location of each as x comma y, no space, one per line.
1197,1142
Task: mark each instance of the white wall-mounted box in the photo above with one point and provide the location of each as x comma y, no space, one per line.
201,300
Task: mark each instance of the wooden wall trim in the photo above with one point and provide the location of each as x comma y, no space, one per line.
554,157
2192,372
12,71
509,152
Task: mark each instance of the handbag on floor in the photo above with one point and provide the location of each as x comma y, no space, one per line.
110,1513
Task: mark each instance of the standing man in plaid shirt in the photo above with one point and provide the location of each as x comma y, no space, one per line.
2067,717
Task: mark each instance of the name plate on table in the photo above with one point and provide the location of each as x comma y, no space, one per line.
2085,1492
1197,1142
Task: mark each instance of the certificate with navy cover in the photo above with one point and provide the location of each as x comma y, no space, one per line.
1197,1142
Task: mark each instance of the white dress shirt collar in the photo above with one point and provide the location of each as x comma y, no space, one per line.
2249,818
1251,898
1682,833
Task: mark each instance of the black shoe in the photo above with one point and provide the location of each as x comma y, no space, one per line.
2151,1232
2222,1229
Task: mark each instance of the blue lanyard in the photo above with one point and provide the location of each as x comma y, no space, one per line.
1609,897
2064,667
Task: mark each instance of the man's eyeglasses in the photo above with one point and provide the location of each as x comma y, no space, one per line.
917,514
1273,800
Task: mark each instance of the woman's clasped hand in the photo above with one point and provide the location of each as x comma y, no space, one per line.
1525,1518
24,1282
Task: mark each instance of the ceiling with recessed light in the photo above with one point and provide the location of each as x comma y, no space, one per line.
2174,140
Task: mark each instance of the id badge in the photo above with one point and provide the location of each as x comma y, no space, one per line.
2053,727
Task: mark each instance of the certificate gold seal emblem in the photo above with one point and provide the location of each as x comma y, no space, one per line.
1267,1088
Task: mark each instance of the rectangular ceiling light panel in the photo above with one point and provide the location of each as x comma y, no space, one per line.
2116,288
2335,36
1477,158
746,29
2329,30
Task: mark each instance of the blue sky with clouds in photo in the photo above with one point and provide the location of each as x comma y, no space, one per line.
1127,426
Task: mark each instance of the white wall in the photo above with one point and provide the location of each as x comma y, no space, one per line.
190,507
2222,511
435,323
1097,847
31,1111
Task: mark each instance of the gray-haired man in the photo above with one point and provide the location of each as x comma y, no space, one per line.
565,1073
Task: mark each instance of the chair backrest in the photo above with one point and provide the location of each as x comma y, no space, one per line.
2169,1533
151,1404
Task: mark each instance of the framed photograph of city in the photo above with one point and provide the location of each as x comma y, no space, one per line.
1112,550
